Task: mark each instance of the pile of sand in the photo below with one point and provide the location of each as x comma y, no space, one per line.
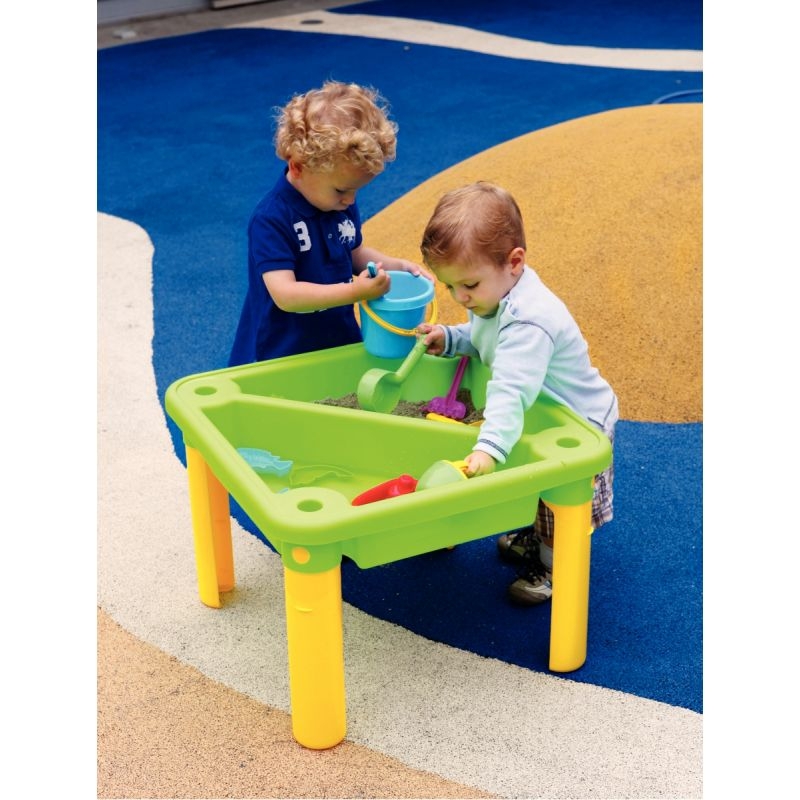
407,409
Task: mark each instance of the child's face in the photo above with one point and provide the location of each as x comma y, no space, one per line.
329,191
480,287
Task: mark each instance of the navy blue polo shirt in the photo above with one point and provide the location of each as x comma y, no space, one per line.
287,232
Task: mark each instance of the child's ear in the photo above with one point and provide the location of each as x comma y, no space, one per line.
516,258
295,168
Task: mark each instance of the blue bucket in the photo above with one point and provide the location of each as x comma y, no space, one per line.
403,306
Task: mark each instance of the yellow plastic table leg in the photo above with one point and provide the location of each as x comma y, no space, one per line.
211,525
316,656
569,620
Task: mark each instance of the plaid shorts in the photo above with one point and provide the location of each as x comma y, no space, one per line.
602,502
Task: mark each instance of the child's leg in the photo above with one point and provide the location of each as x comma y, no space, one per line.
534,577
543,527
534,581
603,498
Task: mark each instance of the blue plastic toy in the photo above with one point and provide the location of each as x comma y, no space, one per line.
263,461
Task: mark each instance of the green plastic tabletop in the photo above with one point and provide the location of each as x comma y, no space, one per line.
334,454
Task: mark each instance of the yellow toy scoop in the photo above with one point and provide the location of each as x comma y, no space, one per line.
441,473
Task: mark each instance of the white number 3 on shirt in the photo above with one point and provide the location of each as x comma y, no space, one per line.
302,236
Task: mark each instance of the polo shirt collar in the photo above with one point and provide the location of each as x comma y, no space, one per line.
295,199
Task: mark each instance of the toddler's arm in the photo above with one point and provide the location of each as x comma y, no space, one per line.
296,296
363,255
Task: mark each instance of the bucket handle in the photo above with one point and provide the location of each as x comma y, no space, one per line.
393,328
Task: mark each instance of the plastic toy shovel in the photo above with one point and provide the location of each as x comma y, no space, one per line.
448,406
441,473
379,389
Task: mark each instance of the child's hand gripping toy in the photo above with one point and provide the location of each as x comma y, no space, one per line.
438,474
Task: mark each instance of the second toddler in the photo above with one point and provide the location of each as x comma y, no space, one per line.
475,244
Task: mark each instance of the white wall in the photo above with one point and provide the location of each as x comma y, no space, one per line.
121,10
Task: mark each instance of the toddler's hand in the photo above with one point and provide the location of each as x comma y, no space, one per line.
369,288
434,338
416,269
479,463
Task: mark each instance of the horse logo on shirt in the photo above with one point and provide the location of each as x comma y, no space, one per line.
347,231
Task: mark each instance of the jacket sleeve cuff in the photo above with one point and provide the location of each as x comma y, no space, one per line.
493,450
448,341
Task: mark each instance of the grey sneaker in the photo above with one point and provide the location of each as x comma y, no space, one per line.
534,583
531,590
513,545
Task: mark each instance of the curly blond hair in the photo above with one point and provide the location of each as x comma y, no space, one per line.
473,223
338,122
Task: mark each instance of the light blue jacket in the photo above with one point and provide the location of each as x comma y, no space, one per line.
531,344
